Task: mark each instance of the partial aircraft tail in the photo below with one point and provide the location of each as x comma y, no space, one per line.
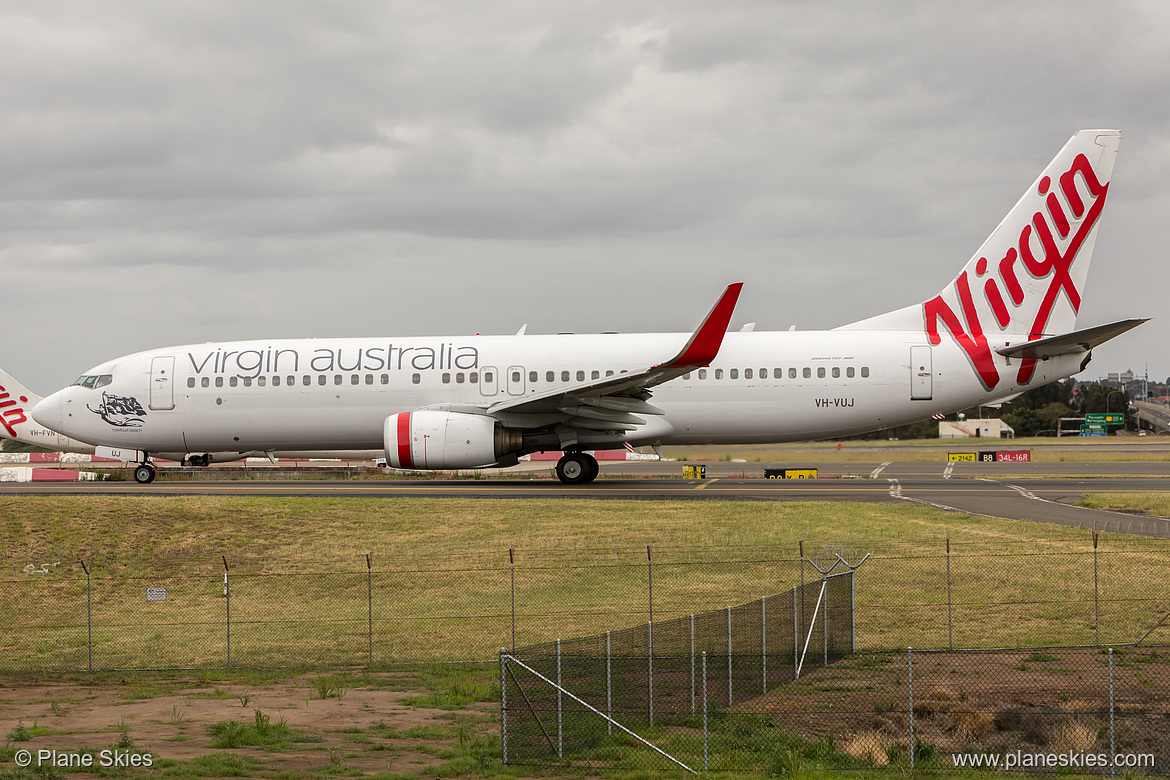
15,402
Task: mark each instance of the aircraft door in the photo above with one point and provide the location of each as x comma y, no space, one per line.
488,380
162,386
921,374
515,380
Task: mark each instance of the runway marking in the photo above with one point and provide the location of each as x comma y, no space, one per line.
895,487
948,470
705,484
874,474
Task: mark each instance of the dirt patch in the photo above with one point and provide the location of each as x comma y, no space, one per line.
376,724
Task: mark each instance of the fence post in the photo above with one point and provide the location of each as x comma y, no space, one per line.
1112,744
608,687
512,563
692,664
227,592
910,680
802,583
764,640
650,580
650,671
370,604
88,614
795,637
560,711
704,710
825,618
503,706
853,611
1096,596
729,656
950,602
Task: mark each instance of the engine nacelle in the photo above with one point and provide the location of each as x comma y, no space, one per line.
446,440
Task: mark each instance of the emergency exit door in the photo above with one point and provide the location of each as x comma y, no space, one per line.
921,374
162,386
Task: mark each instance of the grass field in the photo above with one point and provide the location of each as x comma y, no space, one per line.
439,586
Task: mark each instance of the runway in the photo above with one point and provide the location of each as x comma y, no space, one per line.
1041,492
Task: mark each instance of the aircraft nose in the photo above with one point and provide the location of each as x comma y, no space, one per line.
47,412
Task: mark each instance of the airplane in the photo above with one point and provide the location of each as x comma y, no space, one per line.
1004,325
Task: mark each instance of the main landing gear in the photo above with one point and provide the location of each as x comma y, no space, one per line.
144,473
577,468
197,461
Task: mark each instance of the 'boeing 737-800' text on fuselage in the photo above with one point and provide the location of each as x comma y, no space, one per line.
1004,324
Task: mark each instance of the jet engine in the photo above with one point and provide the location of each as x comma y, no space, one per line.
447,440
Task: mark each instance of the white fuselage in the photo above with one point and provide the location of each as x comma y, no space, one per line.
335,394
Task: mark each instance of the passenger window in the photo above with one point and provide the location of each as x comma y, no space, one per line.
580,376
792,373
821,372
459,377
719,373
219,381
233,381
261,381
190,381
276,381
447,379
836,373
532,375
763,373
306,380
204,382
595,375
247,381
702,373
864,371
473,378
564,376
734,373
292,380
747,373
807,373
516,377
369,379
488,377
385,379
687,375
354,379
321,380
414,378
609,372
337,379
550,376
849,372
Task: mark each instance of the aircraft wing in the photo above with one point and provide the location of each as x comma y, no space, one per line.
1075,343
613,403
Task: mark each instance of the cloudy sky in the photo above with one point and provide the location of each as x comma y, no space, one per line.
187,172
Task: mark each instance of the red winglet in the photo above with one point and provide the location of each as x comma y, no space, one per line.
704,344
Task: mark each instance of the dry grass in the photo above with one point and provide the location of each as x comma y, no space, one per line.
1073,736
1154,504
869,745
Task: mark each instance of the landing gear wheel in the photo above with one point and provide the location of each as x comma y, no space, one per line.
577,468
144,474
203,461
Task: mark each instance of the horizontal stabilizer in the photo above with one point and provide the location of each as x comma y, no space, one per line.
1075,343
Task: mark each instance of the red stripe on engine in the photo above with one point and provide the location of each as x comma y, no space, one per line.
405,461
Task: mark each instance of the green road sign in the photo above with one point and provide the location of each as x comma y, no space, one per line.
1115,418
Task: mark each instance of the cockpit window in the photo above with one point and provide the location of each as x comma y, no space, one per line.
94,380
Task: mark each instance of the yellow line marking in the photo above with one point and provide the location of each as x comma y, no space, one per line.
705,484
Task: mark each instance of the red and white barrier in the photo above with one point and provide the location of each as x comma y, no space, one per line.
30,474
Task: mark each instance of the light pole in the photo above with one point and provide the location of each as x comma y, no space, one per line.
1109,398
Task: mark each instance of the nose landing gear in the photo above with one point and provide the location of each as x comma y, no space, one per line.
577,468
144,473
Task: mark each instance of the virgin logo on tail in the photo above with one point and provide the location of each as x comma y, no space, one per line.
12,414
1049,227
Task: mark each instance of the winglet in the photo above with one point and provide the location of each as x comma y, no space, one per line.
704,344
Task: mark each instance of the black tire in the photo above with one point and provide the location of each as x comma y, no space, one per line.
144,474
203,460
573,468
594,467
